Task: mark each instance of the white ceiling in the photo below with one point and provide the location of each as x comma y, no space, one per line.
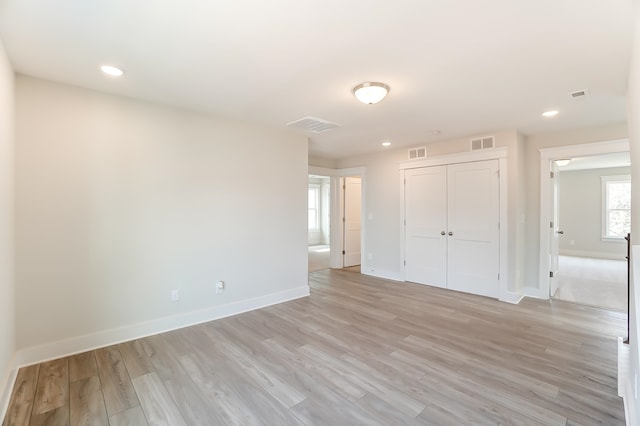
463,67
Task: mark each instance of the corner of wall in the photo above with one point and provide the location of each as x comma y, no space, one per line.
8,368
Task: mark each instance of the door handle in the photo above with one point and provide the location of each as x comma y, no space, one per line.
442,233
450,233
561,232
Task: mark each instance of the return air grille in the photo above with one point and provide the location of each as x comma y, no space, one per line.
313,124
485,142
416,153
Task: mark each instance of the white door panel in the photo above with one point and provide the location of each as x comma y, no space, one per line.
426,219
473,232
352,214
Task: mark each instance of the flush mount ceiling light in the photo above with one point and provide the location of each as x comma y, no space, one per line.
370,92
563,162
386,143
112,71
549,114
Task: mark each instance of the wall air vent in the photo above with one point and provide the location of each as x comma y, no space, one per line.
313,124
484,142
416,153
580,94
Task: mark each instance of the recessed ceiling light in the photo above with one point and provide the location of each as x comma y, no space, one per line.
111,70
549,114
386,143
370,92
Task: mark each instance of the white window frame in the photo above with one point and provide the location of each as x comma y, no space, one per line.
606,180
316,188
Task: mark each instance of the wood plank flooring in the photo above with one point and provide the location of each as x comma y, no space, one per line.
359,350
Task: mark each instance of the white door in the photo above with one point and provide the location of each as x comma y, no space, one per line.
473,254
352,203
554,229
426,225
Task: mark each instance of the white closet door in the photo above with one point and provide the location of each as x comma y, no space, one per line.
474,215
426,220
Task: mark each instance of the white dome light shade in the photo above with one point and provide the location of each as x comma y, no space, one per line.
111,70
549,114
370,92
386,143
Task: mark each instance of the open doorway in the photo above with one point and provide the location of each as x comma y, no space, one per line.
351,221
319,233
576,254
341,208
592,215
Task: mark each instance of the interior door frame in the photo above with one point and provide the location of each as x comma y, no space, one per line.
547,155
336,235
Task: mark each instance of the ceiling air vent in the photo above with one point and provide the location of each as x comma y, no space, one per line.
416,153
579,94
482,143
313,124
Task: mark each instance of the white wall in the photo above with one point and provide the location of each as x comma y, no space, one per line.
580,209
121,201
7,299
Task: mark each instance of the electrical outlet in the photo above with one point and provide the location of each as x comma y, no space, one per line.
219,287
175,295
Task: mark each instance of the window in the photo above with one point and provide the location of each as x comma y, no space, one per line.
616,206
314,207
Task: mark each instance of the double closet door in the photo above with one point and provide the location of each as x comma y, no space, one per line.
452,220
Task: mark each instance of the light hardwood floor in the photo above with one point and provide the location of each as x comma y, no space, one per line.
359,350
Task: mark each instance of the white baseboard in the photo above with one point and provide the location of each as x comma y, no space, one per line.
74,345
535,292
381,273
6,387
594,254
511,297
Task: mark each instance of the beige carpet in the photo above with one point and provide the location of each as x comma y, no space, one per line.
594,282
319,258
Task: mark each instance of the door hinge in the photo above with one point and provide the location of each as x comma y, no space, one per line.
551,225
344,252
405,263
344,219
550,274
498,277
498,172
552,175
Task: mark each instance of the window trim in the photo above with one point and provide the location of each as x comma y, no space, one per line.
605,180
316,188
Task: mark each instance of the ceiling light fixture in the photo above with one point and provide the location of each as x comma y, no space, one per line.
563,162
370,92
111,70
549,114
386,143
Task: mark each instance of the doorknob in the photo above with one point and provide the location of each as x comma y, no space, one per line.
450,233
442,233
561,232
